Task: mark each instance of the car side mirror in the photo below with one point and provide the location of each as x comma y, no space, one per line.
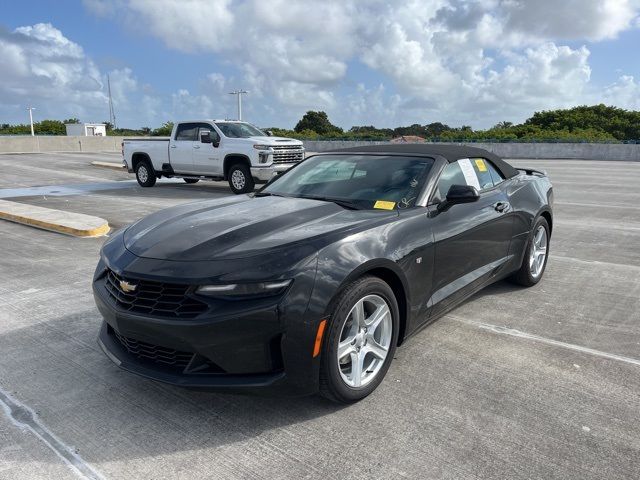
215,141
459,194
205,137
269,133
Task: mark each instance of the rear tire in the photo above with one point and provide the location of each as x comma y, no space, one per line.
145,174
191,180
240,179
363,328
536,255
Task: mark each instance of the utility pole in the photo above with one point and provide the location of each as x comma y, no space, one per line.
31,119
112,112
239,93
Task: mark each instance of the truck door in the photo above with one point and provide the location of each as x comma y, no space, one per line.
182,146
206,157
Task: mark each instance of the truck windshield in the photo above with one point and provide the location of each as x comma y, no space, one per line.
239,130
386,182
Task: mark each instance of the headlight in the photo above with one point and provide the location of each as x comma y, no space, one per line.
262,147
240,290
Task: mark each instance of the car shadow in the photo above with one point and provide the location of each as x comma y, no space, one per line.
81,395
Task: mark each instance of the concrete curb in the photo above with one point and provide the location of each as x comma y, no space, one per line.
115,166
68,223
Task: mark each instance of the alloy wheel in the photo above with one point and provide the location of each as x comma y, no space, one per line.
364,341
538,251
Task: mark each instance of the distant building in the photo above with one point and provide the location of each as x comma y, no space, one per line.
408,139
86,129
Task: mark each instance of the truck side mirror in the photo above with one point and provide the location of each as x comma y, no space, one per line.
269,133
205,136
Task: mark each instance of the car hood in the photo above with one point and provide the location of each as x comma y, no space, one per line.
242,226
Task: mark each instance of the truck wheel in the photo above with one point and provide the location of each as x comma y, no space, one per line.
240,179
191,180
145,174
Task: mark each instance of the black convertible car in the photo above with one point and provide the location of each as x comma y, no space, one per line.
311,283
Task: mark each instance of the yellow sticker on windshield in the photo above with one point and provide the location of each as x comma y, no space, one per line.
384,205
480,164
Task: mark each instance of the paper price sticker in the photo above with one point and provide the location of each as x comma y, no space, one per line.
482,167
469,173
384,205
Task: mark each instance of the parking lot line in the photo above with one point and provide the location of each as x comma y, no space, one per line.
64,190
23,417
502,330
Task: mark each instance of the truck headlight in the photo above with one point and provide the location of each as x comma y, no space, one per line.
242,290
262,147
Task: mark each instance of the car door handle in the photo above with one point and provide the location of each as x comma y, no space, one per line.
196,146
173,146
501,206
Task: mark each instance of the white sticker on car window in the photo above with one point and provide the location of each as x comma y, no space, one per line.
469,173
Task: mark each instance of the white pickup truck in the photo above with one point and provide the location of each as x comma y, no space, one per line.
215,150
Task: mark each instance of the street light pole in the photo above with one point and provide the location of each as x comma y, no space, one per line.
239,93
31,119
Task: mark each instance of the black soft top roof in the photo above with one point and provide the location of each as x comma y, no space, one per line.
450,152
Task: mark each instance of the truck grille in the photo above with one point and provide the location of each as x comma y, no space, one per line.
288,153
153,298
155,353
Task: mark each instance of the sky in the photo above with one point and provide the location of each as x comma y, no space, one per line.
364,62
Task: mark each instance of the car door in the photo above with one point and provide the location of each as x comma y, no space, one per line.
181,148
471,239
206,157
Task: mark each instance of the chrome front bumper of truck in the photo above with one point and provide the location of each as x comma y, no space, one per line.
264,174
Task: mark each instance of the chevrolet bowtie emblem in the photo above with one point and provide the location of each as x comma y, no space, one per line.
126,287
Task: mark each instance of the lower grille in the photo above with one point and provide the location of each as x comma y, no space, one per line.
154,353
153,298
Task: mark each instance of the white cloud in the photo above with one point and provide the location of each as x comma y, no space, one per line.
439,55
625,91
42,67
370,106
456,61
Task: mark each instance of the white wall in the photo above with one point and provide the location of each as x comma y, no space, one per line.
84,129
585,151
75,129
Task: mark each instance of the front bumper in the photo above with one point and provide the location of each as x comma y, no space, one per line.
263,345
264,174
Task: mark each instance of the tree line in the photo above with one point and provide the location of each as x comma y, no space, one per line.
595,123
57,127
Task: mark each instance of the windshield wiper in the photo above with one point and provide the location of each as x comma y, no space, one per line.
343,203
269,194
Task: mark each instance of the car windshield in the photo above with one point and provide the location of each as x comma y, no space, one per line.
239,130
360,181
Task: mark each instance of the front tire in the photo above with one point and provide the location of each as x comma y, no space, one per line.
360,342
240,179
145,174
535,255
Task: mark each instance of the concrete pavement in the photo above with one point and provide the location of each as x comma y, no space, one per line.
515,383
